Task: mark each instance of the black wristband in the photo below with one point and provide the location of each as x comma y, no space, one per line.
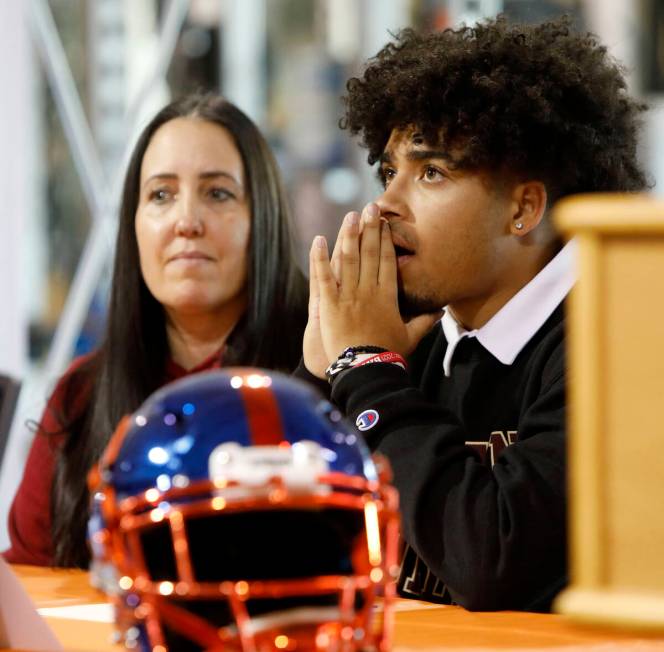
354,350
347,357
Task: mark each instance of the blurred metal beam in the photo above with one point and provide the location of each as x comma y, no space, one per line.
243,39
174,18
75,125
93,182
470,11
97,252
379,21
19,179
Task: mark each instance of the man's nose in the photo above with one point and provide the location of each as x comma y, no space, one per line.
391,202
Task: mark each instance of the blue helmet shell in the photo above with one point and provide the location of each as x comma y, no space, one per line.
172,435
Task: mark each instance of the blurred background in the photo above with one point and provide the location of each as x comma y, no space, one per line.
81,77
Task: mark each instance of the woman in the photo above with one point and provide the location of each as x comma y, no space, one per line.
204,276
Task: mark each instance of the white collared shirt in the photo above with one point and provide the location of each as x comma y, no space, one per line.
512,327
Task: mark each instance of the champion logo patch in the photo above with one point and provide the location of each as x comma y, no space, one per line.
366,420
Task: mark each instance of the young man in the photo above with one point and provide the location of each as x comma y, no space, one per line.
478,132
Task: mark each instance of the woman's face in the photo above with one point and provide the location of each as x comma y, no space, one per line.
193,219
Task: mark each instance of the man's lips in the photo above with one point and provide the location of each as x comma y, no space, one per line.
403,250
404,259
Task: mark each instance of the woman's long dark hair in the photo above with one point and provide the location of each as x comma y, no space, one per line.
130,363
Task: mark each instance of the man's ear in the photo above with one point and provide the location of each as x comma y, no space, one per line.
529,201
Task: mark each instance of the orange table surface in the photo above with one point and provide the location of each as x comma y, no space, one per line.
419,626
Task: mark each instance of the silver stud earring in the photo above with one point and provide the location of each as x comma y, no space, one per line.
518,226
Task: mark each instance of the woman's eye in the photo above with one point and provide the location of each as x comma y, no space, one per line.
160,195
220,194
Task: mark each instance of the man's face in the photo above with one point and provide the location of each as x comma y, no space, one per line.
450,228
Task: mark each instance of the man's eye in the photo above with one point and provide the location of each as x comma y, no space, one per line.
386,175
432,173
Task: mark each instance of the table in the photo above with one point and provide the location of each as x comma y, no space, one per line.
420,626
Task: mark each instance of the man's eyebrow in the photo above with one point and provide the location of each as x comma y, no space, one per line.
421,154
418,155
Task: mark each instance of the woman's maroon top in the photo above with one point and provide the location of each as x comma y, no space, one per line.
30,515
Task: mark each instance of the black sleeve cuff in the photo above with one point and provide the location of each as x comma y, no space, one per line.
302,373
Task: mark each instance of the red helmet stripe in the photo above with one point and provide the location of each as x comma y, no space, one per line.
263,415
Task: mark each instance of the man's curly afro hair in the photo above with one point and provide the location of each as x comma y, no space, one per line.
536,100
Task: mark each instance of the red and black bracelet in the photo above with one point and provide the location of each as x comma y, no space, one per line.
358,356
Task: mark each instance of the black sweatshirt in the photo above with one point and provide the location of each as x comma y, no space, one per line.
479,462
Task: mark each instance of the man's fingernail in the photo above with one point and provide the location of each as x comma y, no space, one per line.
353,218
373,210
319,241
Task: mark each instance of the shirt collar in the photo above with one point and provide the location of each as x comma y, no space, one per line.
512,327
174,371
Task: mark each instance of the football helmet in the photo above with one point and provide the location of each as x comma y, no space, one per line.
237,510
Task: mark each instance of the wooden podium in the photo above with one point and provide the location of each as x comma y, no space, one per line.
616,416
